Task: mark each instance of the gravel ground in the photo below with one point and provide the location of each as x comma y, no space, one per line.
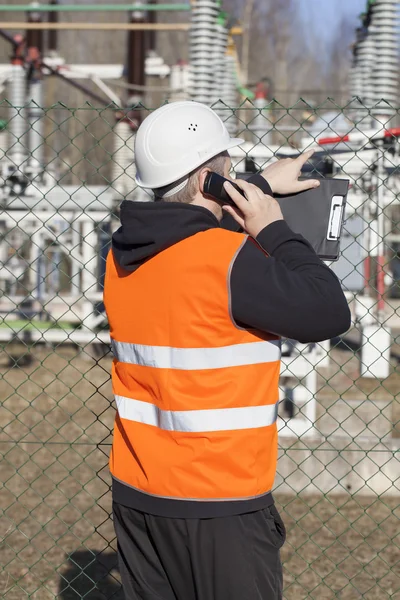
58,539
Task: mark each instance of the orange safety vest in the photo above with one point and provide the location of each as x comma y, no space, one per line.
196,395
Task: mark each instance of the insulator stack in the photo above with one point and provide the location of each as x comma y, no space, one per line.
202,39
367,57
383,27
221,100
354,80
220,47
355,75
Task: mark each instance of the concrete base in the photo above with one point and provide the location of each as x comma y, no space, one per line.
375,351
354,419
335,466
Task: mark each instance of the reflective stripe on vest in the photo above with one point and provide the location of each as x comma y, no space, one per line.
197,421
193,359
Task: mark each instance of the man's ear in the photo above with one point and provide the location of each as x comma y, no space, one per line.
202,177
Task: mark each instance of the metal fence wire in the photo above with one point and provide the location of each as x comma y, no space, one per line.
64,172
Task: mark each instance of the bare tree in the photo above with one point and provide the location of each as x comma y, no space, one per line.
273,45
339,60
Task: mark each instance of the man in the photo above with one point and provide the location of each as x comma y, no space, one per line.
196,313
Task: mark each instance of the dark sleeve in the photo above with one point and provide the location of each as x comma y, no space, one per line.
290,292
261,183
228,222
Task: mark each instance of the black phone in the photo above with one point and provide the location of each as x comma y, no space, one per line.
214,188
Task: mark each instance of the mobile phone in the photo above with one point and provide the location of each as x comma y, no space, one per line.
214,188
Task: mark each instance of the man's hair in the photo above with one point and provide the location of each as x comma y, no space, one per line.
186,194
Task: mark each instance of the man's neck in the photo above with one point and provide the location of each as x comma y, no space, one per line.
210,205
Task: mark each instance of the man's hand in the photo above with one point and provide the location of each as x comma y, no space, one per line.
283,175
256,212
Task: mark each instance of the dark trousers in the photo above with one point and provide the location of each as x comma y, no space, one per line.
228,558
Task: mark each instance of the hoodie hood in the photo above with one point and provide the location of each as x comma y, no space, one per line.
148,228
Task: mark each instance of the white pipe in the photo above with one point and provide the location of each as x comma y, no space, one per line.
309,411
381,228
374,240
179,82
75,266
106,89
89,256
36,250
89,282
17,126
35,120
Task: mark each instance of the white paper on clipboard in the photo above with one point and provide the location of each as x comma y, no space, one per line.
335,218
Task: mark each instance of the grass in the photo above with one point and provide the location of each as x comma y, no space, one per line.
21,324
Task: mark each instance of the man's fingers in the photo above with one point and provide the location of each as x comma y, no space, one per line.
235,214
236,196
246,186
251,191
303,158
307,184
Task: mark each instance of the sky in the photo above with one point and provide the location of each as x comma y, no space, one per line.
326,14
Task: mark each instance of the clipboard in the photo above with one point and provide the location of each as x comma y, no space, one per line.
317,215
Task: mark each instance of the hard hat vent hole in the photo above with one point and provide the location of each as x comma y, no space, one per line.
193,127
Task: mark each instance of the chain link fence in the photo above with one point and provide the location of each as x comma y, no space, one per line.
338,482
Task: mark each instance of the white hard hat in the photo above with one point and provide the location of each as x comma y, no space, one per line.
176,139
